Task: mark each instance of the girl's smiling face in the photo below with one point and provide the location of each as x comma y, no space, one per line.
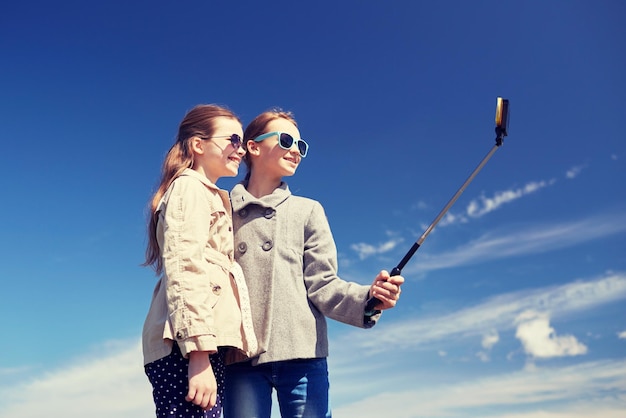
216,156
270,158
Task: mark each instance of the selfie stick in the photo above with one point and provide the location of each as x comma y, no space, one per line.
502,113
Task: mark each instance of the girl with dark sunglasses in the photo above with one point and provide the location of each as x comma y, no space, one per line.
199,315
287,252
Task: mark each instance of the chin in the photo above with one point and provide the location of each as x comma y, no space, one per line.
290,169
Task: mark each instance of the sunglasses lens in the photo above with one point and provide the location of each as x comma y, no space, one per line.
235,140
302,147
286,142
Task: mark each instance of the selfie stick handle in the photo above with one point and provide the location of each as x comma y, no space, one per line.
501,131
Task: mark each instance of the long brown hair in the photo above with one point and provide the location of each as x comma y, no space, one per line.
257,127
198,122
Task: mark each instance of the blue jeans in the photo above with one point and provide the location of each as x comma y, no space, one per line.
301,388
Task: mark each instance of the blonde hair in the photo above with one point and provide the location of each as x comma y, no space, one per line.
198,122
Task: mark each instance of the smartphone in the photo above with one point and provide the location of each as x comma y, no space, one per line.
502,116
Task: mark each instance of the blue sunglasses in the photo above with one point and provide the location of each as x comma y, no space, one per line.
286,141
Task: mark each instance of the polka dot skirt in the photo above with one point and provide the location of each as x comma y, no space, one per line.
170,385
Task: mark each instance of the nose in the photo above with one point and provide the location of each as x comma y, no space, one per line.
294,147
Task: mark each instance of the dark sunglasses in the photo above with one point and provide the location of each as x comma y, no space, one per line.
235,140
286,141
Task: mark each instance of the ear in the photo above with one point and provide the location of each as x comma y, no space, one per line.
197,145
253,147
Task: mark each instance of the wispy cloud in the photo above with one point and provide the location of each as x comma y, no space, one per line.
595,389
498,313
574,171
367,250
450,219
109,384
421,205
523,241
490,338
9,371
622,335
483,205
476,208
116,372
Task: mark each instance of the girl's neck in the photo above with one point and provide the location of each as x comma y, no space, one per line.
205,173
259,186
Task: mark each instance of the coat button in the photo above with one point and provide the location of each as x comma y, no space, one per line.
242,247
243,213
267,245
269,213
217,289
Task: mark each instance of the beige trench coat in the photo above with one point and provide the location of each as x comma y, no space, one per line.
201,301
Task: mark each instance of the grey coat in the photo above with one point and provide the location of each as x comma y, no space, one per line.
286,250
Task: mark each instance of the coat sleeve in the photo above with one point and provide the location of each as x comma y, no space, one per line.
334,297
187,220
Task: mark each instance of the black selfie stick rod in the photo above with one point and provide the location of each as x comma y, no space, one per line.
454,198
502,109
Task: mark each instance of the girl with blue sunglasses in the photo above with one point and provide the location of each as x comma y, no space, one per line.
286,249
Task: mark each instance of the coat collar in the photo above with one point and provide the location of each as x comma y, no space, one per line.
223,194
193,173
240,197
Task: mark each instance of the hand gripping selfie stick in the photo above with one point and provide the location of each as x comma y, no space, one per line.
502,114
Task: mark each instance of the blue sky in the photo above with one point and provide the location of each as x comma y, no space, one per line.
514,307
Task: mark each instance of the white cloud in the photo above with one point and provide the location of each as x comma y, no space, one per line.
112,383
364,250
574,171
540,340
483,356
9,371
595,389
109,384
490,339
450,219
497,313
526,240
483,205
421,205
523,241
367,250
622,335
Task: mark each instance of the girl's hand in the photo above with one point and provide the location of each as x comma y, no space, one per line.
202,383
386,289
